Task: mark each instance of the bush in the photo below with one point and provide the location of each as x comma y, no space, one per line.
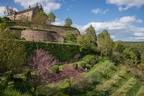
55,69
91,59
75,65
83,64
11,92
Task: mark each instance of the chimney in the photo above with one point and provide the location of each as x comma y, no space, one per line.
36,4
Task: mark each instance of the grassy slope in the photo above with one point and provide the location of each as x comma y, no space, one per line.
115,80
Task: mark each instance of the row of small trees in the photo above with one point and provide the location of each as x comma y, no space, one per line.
42,20
103,45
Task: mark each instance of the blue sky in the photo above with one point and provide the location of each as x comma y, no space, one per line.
124,19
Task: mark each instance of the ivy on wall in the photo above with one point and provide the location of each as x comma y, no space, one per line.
62,52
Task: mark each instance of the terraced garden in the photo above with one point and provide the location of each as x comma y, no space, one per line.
115,81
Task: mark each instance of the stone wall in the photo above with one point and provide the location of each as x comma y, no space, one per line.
36,35
62,31
52,34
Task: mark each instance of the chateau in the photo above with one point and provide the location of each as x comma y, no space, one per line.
52,33
28,13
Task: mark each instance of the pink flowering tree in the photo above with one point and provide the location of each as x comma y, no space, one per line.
39,64
72,75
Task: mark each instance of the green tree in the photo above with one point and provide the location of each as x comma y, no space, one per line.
51,17
131,56
40,20
117,54
88,41
92,35
12,54
1,20
105,43
68,22
119,47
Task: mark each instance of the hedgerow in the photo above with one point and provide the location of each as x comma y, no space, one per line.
62,52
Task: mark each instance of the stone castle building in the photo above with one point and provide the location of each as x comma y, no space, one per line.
28,13
53,34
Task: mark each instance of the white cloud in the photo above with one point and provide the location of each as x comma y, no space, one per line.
129,19
139,34
119,29
98,10
126,4
2,9
48,5
58,22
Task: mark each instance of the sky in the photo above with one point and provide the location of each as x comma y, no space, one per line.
123,19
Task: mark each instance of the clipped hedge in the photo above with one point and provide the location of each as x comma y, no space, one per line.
61,51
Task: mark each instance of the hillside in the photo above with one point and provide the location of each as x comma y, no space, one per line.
115,80
37,64
105,79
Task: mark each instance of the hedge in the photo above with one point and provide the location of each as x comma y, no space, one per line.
61,51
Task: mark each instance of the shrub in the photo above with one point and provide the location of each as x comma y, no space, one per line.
75,65
91,59
11,92
83,64
55,69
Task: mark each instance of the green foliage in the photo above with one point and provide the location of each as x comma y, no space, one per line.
42,13
12,56
6,33
88,42
91,59
86,46
55,69
75,65
138,45
119,46
65,28
91,33
131,56
70,36
83,64
68,22
51,17
11,92
105,43
1,20
40,20
62,52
